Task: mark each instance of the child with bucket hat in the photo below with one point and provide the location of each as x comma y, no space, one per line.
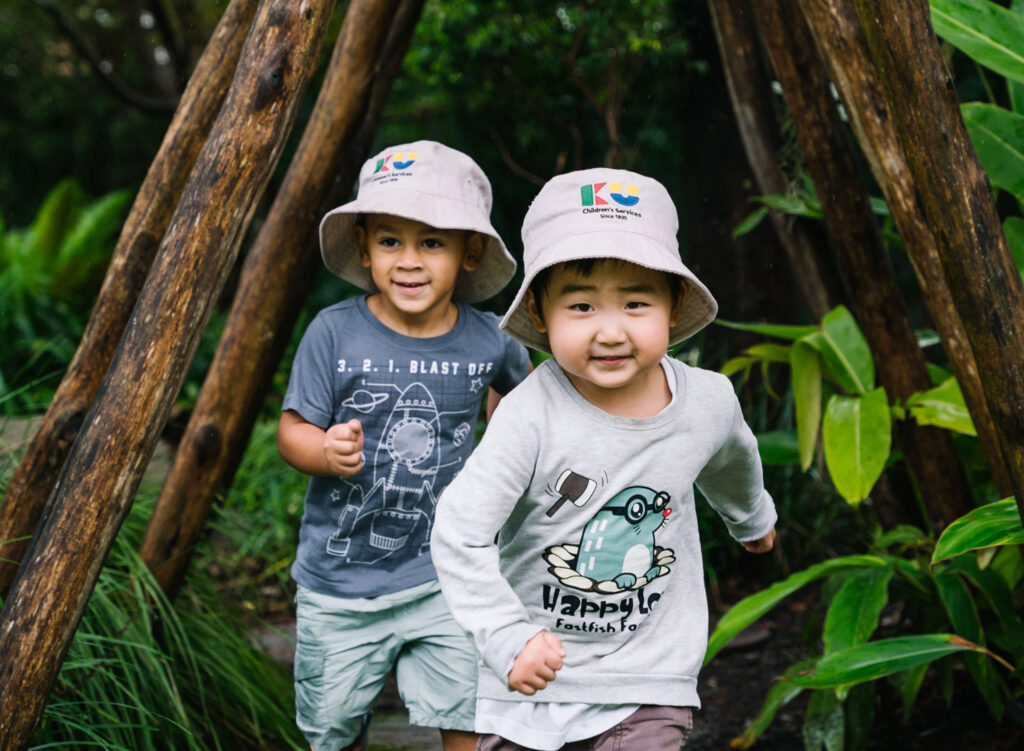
380,410
568,544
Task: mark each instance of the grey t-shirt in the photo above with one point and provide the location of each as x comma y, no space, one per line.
418,401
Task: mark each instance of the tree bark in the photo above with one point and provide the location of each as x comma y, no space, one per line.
151,212
275,282
832,164
958,207
95,489
840,39
749,90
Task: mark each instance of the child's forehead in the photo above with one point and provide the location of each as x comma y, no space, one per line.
603,271
393,222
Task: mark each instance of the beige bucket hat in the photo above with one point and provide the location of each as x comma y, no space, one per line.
605,213
430,183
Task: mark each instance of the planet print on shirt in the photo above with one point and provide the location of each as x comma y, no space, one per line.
616,550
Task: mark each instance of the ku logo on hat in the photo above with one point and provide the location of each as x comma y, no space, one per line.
590,194
400,160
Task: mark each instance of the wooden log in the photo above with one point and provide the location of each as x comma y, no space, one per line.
275,281
147,221
832,164
102,473
750,92
958,206
841,42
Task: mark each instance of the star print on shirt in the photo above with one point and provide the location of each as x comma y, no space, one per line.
476,384
335,495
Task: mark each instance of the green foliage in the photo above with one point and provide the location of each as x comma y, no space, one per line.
964,607
991,525
50,272
985,31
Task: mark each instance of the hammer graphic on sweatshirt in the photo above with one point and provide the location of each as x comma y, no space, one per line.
572,487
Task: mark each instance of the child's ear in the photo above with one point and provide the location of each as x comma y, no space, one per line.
359,233
678,306
476,244
534,310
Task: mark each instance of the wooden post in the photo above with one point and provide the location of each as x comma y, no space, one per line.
832,164
37,472
841,41
958,207
750,92
275,281
96,488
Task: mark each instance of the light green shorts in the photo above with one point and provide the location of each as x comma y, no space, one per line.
346,648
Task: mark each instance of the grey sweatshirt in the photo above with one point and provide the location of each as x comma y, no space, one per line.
570,519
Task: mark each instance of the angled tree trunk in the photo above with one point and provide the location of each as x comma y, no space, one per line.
275,281
98,483
840,39
832,163
959,209
749,89
144,228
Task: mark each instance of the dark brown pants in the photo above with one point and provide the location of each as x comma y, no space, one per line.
650,728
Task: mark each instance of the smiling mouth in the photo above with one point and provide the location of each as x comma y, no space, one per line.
410,285
610,359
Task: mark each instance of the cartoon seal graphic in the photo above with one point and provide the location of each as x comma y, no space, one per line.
616,550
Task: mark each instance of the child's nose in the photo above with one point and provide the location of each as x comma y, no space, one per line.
409,255
611,329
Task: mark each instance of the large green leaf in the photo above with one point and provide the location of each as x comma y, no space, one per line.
857,434
988,33
1015,88
998,138
778,330
846,352
748,610
943,407
994,524
853,615
878,659
805,363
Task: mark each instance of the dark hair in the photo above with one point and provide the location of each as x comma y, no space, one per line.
585,267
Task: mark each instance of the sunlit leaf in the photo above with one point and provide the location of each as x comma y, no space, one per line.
943,407
805,363
857,435
994,524
847,354
878,659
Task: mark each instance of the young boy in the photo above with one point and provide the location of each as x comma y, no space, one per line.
380,409
568,544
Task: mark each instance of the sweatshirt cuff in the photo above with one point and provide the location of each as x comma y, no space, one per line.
758,523
505,645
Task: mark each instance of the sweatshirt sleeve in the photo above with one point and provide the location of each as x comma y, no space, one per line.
470,512
733,480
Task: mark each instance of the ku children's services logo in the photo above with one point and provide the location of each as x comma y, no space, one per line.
400,160
590,195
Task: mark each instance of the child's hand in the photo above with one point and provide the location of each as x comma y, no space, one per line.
343,448
762,545
535,666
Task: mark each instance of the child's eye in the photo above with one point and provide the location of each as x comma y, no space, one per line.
388,242
582,307
432,243
636,305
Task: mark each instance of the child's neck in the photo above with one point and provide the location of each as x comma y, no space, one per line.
424,324
646,396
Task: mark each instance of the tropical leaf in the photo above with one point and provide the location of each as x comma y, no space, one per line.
805,363
748,610
943,407
778,330
994,524
846,353
857,435
780,694
985,31
853,615
992,586
878,659
778,448
752,220
998,138
1015,89
823,723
